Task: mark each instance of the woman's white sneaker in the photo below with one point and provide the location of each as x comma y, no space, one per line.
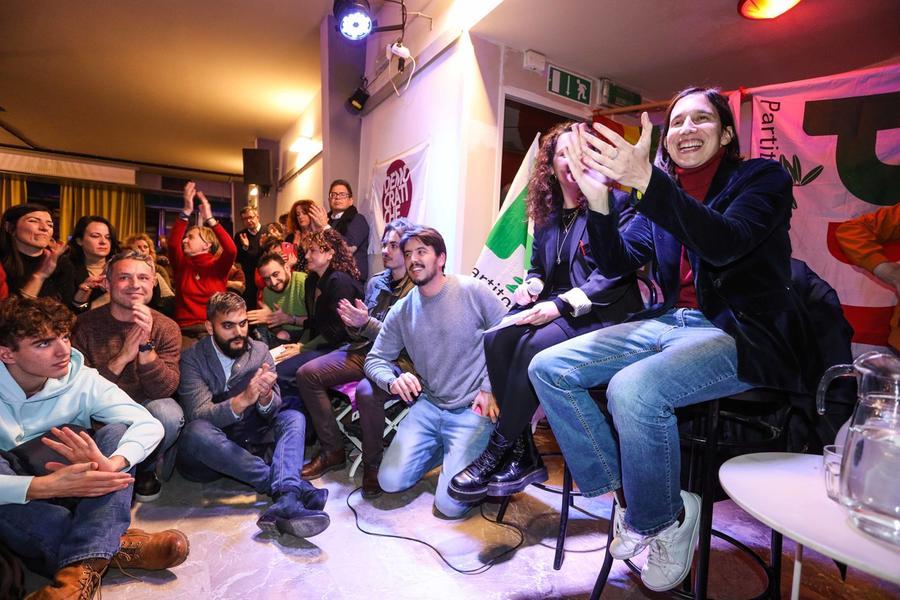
627,543
672,550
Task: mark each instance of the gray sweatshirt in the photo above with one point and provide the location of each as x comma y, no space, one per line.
443,336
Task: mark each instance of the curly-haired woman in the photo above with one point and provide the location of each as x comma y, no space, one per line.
563,296
333,276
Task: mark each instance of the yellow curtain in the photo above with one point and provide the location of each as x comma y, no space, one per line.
13,190
123,207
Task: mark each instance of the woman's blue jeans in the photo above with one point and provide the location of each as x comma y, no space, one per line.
650,367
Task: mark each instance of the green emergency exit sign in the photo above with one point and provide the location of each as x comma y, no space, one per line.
569,85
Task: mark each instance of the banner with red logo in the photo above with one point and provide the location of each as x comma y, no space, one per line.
839,138
398,187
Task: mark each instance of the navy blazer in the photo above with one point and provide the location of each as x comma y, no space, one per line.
613,298
738,246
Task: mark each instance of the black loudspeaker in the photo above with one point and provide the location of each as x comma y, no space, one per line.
257,167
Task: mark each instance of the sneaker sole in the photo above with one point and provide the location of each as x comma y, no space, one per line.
304,527
695,535
147,498
466,496
509,488
312,476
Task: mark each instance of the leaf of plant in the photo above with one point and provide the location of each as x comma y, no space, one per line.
810,177
797,168
787,167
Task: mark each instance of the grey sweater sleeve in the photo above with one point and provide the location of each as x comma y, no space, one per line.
388,345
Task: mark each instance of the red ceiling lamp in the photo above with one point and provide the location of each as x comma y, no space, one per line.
765,9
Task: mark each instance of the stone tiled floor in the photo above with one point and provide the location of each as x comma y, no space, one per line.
230,559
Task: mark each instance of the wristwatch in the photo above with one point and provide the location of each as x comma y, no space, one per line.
147,347
211,222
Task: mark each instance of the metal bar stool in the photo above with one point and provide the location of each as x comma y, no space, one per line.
703,443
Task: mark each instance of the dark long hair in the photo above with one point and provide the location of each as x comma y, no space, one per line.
544,192
342,260
76,252
720,103
9,252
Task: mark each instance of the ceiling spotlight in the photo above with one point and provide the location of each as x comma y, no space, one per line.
354,18
765,9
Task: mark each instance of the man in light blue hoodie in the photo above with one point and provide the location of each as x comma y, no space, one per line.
65,489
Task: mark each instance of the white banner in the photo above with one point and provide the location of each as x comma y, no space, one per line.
398,189
839,138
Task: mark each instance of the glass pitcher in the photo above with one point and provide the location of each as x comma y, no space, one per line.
870,486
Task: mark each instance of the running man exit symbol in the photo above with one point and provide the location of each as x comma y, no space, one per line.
569,85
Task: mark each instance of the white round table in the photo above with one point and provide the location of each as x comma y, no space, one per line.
787,493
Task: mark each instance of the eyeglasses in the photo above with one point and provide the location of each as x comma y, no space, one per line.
341,195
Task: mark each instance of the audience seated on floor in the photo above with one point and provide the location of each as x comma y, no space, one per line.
236,425
138,349
332,276
314,379
69,443
281,315
441,325
200,271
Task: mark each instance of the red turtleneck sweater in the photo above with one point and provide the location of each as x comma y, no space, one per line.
695,183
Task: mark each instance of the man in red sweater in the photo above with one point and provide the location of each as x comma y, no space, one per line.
199,271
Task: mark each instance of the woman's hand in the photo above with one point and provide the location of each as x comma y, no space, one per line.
353,315
522,296
592,184
540,314
616,159
318,218
205,208
190,190
51,256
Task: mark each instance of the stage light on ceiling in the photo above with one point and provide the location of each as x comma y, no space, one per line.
353,17
765,9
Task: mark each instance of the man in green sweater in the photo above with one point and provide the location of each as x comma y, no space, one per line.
284,310
441,324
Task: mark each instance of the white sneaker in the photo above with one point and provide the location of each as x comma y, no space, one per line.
627,543
672,550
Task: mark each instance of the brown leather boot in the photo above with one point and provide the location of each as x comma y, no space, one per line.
371,488
324,462
78,581
152,551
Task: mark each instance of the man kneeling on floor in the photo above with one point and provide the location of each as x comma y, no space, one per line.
441,324
236,426
69,441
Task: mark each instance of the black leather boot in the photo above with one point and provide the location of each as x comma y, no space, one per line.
470,484
525,467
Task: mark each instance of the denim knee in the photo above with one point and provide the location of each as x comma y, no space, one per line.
626,397
290,419
107,437
194,433
543,366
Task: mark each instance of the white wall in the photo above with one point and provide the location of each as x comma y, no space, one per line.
309,183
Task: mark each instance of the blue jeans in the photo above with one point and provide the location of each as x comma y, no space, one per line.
651,367
428,437
49,535
168,412
206,453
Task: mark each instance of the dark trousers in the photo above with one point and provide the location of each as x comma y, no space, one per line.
314,379
50,534
508,352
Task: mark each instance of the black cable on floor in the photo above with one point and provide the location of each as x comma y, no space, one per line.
477,570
